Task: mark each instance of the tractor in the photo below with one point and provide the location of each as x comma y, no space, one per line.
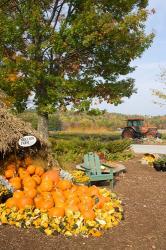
136,129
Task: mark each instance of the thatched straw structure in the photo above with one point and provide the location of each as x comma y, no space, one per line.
12,129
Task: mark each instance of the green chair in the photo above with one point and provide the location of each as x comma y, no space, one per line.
92,168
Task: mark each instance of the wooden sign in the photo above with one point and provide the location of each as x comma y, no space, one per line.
27,141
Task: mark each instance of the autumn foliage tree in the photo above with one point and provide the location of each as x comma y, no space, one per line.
67,51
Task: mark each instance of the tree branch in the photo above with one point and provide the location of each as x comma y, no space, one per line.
58,14
54,11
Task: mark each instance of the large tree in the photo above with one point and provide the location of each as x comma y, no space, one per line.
67,51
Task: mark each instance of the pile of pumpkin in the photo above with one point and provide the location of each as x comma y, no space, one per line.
43,200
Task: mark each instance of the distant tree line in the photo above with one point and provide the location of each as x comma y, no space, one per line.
91,120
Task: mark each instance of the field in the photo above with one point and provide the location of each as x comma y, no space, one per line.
142,191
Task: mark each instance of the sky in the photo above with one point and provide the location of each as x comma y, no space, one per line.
148,69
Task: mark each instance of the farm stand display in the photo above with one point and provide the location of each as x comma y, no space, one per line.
39,197
43,200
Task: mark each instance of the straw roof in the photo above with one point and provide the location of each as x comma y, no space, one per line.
12,129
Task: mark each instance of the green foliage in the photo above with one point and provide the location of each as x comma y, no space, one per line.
118,146
95,112
69,51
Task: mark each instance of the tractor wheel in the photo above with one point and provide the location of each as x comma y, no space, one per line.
128,134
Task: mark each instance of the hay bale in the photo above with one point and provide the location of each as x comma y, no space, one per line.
11,130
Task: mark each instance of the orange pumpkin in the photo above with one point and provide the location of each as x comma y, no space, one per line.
44,204
46,185
60,203
18,194
53,175
39,171
58,196
74,188
11,167
30,192
31,169
56,212
23,173
88,214
28,160
82,191
38,201
15,182
87,201
73,200
47,195
36,178
66,193
38,189
9,173
24,202
64,184
11,202
29,182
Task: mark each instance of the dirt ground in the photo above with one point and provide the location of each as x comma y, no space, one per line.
142,191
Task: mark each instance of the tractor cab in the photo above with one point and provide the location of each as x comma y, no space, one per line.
135,122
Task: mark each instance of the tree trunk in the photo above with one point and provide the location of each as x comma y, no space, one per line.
43,125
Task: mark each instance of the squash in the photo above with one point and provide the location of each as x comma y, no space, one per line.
70,209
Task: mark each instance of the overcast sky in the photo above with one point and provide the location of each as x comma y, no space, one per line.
148,68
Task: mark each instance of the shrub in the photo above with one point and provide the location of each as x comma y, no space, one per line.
117,146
